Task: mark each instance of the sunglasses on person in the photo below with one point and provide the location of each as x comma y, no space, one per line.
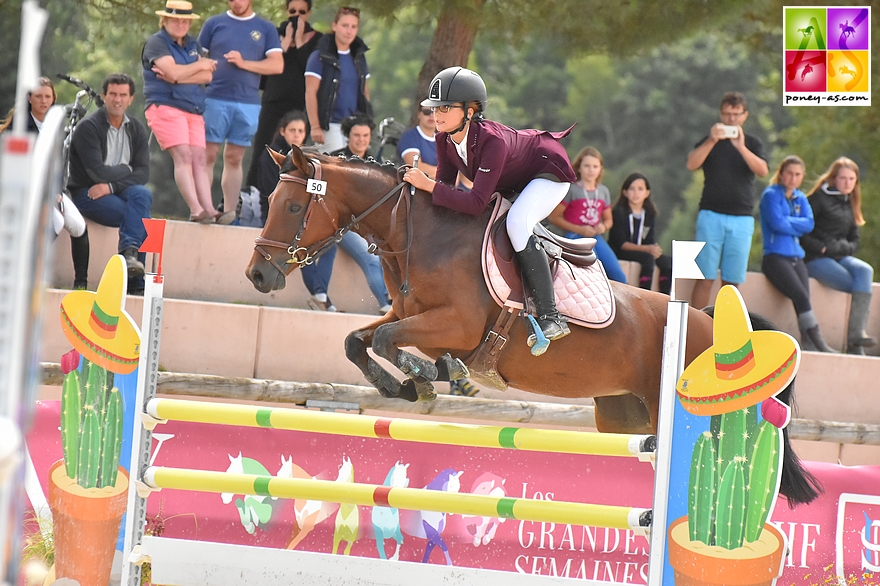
297,12
427,112
445,108
350,10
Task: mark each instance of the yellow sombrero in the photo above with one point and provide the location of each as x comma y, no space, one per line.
742,368
97,324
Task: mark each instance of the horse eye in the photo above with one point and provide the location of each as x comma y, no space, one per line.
294,208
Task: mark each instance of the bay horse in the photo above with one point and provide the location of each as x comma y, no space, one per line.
431,257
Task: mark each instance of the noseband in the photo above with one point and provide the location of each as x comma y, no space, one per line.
300,255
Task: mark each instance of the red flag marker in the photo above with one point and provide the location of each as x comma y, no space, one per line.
155,241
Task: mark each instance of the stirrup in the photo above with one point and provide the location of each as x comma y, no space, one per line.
545,331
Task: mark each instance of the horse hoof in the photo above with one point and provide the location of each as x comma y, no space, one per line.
408,391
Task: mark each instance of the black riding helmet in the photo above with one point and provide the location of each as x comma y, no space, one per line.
455,84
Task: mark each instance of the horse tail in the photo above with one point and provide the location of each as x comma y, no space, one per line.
798,485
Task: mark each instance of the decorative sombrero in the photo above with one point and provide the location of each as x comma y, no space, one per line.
97,324
742,368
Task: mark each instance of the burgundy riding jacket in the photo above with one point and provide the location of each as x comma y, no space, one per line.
500,158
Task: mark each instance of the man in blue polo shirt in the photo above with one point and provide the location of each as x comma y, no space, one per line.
245,47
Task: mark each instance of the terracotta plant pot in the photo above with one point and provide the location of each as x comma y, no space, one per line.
86,524
697,564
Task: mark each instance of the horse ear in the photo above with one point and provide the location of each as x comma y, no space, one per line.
276,156
300,161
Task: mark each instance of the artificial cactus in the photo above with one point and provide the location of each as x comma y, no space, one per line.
732,440
731,508
112,441
764,471
701,496
71,411
91,423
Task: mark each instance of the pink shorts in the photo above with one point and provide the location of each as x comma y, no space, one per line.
174,127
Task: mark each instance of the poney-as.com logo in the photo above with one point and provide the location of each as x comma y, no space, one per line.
827,56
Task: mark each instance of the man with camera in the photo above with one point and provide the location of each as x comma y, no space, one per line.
730,159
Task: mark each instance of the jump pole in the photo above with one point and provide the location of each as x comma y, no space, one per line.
455,434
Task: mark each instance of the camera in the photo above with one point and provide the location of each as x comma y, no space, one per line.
729,131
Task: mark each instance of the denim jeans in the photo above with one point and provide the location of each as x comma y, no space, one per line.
849,274
316,276
606,256
356,247
125,210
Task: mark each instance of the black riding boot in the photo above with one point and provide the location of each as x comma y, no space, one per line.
79,250
536,274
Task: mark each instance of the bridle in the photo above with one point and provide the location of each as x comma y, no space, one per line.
301,256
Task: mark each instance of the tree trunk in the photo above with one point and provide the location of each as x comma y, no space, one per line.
452,42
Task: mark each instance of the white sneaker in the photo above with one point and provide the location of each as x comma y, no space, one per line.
73,220
317,305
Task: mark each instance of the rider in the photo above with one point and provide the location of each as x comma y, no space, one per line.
498,158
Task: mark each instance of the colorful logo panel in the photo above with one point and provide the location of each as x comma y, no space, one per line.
858,536
826,56
805,71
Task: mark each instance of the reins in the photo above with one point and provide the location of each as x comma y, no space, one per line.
313,252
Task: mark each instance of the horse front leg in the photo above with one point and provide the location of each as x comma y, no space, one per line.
437,328
356,344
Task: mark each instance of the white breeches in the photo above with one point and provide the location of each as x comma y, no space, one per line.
537,200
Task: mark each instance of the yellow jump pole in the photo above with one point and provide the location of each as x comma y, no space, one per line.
415,499
457,434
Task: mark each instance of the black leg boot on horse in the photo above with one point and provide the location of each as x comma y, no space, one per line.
536,274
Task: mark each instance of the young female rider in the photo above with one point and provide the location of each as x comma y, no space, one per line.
498,158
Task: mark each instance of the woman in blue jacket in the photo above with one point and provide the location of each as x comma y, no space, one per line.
785,217
498,158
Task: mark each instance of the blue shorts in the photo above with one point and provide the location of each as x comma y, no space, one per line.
728,242
230,122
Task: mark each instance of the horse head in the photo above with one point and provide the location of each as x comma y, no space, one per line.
316,201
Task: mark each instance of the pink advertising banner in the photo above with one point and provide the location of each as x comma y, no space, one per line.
839,530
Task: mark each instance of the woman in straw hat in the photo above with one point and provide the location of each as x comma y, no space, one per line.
174,75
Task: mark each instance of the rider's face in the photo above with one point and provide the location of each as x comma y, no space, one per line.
448,121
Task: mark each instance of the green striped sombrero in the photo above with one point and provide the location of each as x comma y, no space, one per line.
97,324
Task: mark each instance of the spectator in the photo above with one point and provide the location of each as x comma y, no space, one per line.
336,80
725,221
785,216
64,216
245,47
286,91
358,132
109,169
836,201
419,140
174,75
634,236
291,131
585,212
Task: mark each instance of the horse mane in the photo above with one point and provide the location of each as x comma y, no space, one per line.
387,168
